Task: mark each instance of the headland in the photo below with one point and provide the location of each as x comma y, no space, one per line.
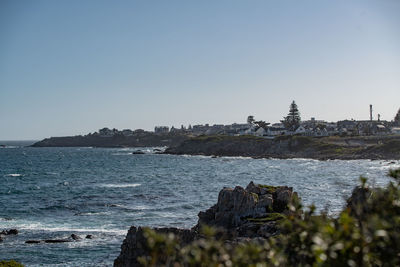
322,148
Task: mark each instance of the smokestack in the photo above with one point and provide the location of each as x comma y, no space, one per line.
370,112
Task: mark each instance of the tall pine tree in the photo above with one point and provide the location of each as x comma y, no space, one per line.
397,118
292,120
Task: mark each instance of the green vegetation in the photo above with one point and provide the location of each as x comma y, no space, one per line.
219,138
271,189
292,120
274,216
255,196
366,233
10,263
391,146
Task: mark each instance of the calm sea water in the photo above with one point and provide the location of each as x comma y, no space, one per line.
54,192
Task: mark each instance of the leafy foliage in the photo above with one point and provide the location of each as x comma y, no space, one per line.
292,120
365,233
10,263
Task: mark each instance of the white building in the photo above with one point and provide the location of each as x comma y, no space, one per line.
395,130
260,132
275,131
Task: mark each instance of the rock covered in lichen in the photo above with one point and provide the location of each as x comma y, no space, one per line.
235,206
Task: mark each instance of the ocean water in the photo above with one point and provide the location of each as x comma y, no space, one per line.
54,192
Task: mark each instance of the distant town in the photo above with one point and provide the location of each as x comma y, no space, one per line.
290,125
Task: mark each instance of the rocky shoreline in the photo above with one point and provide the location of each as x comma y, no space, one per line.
71,238
143,139
239,215
284,147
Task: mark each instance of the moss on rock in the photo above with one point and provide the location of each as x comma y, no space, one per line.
274,216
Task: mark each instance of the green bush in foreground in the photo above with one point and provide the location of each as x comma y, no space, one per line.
10,263
367,233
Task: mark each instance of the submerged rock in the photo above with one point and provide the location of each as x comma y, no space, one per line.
56,240
75,237
33,241
138,152
240,214
72,238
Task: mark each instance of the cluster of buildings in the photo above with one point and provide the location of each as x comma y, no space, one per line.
310,127
106,132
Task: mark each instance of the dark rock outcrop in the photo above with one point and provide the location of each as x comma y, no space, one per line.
9,232
72,238
139,152
358,199
51,241
239,214
134,245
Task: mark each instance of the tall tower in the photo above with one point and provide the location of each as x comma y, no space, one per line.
370,112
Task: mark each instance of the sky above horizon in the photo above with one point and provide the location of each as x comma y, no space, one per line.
73,67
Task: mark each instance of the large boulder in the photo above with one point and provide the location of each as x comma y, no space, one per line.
236,205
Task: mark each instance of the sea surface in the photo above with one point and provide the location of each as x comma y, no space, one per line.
51,193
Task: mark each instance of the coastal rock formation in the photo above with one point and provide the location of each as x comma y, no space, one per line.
368,147
236,207
141,139
240,213
134,245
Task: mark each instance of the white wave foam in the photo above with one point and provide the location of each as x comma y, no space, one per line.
49,228
95,213
119,185
138,207
234,157
14,174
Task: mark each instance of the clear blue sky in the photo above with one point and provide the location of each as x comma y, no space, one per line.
72,67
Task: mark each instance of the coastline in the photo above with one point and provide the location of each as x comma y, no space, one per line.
289,147
282,147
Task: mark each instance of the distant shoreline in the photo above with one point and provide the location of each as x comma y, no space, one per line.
144,139
282,147
289,147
